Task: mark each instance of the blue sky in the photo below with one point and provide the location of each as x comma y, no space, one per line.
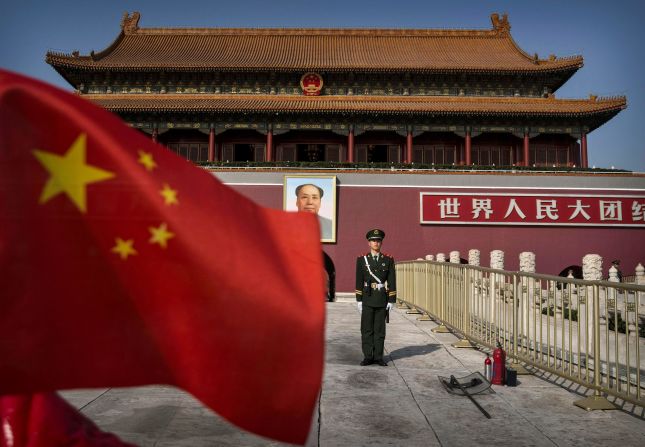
609,35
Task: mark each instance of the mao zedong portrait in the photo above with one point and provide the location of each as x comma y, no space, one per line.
308,200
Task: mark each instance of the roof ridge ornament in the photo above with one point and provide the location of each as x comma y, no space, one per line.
130,24
501,26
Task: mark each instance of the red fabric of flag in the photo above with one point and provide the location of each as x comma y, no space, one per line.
122,264
45,420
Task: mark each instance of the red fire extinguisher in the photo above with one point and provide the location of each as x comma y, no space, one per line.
499,365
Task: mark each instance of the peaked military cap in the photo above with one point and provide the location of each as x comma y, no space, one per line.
375,234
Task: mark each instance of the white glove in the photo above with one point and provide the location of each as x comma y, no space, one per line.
359,305
388,307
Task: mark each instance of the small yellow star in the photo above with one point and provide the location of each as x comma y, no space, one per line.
169,195
124,248
145,158
69,173
160,235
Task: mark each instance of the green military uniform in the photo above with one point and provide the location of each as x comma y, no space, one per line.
371,290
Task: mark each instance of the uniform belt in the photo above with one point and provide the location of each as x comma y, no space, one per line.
377,286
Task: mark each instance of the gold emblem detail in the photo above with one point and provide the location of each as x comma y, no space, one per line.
311,84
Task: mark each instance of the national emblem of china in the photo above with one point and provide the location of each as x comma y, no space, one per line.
311,84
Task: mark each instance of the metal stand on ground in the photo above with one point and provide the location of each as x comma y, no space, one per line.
519,368
596,402
463,343
468,386
402,305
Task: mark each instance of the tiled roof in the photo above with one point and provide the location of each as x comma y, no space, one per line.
442,105
420,50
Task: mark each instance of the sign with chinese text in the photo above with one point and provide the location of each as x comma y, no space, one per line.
532,209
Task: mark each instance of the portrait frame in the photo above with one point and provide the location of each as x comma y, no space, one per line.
328,206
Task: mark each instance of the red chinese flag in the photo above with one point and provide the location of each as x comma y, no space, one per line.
45,420
122,264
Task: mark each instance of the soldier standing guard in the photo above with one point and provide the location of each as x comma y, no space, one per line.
375,293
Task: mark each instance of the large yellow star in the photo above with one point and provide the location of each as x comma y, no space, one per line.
69,173
124,248
169,195
145,158
160,235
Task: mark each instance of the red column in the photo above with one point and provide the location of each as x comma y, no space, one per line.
468,149
583,147
269,154
211,144
350,145
525,156
408,147
155,133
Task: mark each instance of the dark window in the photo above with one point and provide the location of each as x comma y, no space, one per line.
310,152
440,154
193,152
243,152
286,152
203,152
377,153
333,152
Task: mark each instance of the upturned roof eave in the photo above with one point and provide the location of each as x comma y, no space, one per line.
612,106
370,112
60,64
592,120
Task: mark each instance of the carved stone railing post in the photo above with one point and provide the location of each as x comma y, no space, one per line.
527,262
496,282
572,290
591,271
497,259
613,274
527,265
640,274
473,257
429,257
613,299
454,257
640,281
592,267
475,282
441,257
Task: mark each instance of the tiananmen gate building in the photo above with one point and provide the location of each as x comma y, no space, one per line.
398,96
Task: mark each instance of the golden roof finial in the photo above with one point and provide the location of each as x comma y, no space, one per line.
502,26
129,24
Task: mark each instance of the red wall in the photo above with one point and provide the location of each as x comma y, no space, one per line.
396,211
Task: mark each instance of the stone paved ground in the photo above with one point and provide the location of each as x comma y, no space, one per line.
400,405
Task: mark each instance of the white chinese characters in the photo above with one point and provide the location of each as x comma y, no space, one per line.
534,209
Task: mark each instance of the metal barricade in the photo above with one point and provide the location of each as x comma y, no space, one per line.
589,332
